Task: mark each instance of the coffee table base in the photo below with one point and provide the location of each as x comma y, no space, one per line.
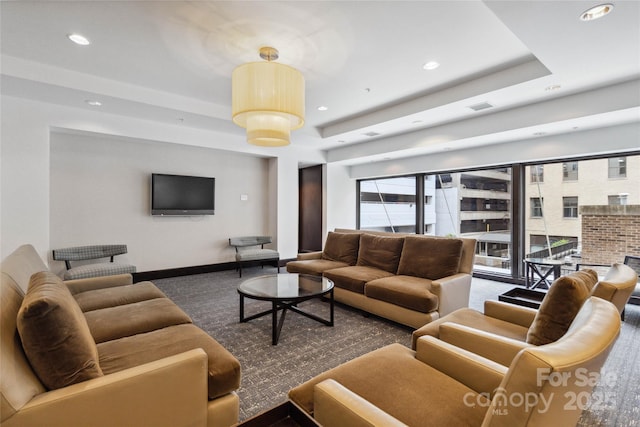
276,325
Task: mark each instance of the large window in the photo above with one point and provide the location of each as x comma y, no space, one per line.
508,210
475,204
557,229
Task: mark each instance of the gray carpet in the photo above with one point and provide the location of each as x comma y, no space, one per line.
307,348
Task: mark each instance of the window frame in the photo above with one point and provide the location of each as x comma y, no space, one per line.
520,181
621,170
536,206
573,210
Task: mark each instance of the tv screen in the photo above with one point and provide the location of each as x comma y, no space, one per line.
182,195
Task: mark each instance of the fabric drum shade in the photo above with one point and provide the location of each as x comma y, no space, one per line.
268,100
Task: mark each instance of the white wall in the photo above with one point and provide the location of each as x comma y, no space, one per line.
100,194
25,181
340,209
24,175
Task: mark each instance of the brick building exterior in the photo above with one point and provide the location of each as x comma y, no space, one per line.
609,233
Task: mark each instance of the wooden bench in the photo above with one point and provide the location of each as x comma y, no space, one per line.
82,253
251,249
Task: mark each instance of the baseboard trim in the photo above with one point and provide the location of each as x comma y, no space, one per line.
188,271
183,271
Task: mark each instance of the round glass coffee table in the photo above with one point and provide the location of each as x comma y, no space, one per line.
285,291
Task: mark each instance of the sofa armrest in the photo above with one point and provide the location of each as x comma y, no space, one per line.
168,392
452,292
309,255
337,406
519,315
476,372
81,285
491,346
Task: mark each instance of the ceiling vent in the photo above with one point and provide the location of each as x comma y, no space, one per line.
481,106
371,134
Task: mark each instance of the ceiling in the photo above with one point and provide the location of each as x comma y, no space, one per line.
171,62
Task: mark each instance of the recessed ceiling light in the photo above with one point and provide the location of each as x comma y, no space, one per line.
481,106
596,12
431,65
322,108
371,134
552,87
93,103
79,39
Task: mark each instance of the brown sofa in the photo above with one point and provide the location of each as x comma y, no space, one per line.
442,384
104,352
410,279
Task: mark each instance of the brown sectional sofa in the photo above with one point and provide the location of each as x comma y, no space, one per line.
410,279
105,351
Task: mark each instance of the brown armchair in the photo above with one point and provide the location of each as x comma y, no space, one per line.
442,384
511,328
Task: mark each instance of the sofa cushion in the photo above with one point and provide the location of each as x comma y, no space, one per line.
429,257
353,278
406,291
341,247
55,335
117,295
123,353
313,266
560,306
125,320
97,270
380,252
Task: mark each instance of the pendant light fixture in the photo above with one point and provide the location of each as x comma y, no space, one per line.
267,100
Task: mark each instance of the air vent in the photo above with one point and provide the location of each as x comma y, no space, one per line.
481,106
370,134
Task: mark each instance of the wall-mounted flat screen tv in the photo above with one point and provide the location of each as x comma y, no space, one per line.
182,195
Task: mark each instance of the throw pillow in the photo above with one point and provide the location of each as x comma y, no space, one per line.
560,306
342,247
429,257
55,335
381,252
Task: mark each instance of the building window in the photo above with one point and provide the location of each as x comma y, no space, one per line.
618,167
570,207
618,199
536,207
537,173
570,171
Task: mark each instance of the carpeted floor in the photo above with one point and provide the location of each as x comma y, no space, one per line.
307,348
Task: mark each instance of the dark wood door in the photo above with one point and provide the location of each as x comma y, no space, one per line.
310,209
